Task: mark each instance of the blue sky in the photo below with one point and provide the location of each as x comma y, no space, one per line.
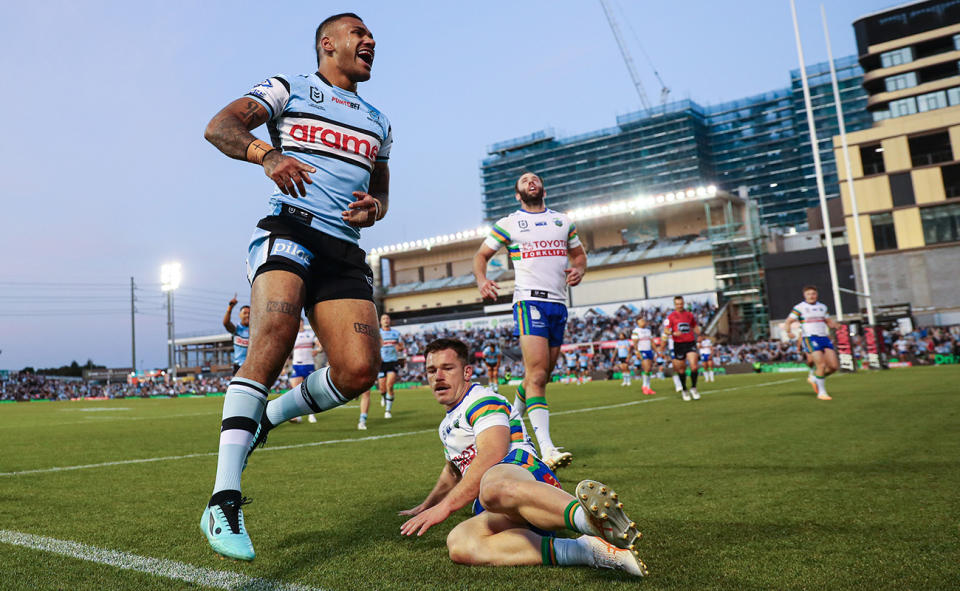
105,174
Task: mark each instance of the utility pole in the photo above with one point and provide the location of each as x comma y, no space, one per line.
133,331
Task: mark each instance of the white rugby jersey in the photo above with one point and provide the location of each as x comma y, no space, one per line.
812,317
643,337
706,347
303,347
538,245
479,409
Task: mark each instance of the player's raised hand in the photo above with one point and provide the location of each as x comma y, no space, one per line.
363,212
489,290
425,520
574,276
288,173
233,301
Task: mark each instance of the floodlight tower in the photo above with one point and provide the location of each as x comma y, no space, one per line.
169,281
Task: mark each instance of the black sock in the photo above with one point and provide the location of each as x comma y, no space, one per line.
683,380
693,377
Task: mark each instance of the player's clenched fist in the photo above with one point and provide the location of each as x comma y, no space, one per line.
288,172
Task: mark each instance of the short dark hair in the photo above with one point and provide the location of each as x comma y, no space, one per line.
678,297
329,21
244,306
516,185
811,286
457,346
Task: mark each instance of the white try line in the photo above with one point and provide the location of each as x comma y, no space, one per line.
359,439
169,569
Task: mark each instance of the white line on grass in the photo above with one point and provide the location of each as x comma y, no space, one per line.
369,438
170,569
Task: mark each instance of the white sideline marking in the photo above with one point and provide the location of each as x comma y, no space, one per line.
644,400
369,438
170,569
93,409
213,453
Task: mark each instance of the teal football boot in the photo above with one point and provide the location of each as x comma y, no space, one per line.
222,522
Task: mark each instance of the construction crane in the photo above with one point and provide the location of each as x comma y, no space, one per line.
628,60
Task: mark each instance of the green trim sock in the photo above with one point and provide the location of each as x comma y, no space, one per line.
548,552
575,518
520,401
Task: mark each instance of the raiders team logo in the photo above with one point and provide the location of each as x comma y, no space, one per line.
316,95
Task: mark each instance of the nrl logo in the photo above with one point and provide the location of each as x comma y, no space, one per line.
316,95
557,222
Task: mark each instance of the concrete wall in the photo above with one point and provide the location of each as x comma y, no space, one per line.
928,279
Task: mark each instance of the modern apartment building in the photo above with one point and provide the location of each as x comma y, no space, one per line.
906,167
760,142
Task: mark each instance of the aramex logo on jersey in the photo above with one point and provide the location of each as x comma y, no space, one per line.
356,146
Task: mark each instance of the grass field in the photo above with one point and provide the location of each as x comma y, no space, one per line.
756,486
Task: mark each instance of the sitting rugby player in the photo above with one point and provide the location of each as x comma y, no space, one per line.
516,498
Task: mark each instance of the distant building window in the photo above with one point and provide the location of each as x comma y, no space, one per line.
901,189
932,100
896,57
880,115
872,159
951,180
953,96
902,107
901,81
930,149
956,41
884,234
941,223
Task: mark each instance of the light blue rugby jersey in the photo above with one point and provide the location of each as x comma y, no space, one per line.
333,130
390,338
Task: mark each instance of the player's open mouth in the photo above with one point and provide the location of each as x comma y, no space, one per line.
365,54
441,388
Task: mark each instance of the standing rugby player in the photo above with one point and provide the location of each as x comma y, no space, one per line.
681,327
815,324
643,341
492,358
328,158
239,332
548,257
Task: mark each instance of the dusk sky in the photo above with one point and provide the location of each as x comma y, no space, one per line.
106,104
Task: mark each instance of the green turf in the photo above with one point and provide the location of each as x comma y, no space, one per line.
756,486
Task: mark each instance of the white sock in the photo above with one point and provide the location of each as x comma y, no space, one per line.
676,383
540,419
316,394
572,552
389,402
646,380
821,386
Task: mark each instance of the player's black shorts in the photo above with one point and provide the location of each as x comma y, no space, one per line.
680,350
331,269
388,366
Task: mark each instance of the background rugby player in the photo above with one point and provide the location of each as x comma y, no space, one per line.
541,242
681,326
239,332
811,315
329,162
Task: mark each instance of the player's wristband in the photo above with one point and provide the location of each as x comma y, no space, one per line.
257,150
381,212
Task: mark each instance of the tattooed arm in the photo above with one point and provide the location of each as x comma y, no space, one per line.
229,131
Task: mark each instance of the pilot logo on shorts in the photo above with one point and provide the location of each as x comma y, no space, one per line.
316,95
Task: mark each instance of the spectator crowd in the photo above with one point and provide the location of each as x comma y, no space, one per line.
589,331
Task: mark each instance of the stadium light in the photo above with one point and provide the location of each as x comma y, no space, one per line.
170,276
581,213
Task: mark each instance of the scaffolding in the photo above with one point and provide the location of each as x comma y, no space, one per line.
738,245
